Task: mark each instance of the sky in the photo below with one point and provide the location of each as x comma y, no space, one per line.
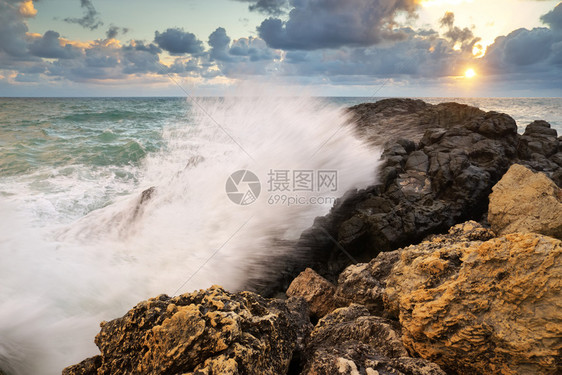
421,48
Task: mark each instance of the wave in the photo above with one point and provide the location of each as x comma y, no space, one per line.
184,232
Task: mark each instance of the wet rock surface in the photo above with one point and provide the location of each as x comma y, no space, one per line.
439,177
351,341
436,294
206,332
316,291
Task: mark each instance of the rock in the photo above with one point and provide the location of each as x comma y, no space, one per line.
441,176
316,291
538,138
444,180
388,120
88,366
350,341
477,307
538,149
523,201
206,332
365,283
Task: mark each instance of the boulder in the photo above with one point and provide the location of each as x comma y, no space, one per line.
440,176
424,188
365,283
476,307
351,341
523,201
206,332
316,291
388,120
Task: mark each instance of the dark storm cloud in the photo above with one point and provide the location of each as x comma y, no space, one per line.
413,57
139,62
271,7
244,49
178,42
554,18
244,56
181,67
317,24
13,29
90,19
138,45
520,48
49,46
219,42
102,61
253,48
532,57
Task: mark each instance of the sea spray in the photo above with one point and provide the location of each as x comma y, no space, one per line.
60,282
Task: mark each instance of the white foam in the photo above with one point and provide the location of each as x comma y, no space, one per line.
58,283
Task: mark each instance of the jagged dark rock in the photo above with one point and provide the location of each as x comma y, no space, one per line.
465,301
387,121
351,341
441,176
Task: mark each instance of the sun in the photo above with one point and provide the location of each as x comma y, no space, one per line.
470,73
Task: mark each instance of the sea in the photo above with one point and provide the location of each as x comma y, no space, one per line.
105,202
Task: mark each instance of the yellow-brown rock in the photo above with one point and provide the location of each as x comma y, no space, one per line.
206,332
474,307
316,291
523,201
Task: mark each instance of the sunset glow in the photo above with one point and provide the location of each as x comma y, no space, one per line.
48,49
470,73
429,3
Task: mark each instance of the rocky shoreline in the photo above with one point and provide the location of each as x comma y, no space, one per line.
458,268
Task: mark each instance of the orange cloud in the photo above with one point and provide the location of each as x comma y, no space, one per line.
27,9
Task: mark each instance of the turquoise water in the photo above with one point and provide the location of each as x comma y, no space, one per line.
118,132
65,157
97,132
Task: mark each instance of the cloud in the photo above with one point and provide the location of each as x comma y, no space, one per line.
13,29
255,49
528,56
317,24
448,20
49,46
27,9
219,42
178,42
113,31
271,7
554,18
244,56
90,19
415,57
461,38
520,48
